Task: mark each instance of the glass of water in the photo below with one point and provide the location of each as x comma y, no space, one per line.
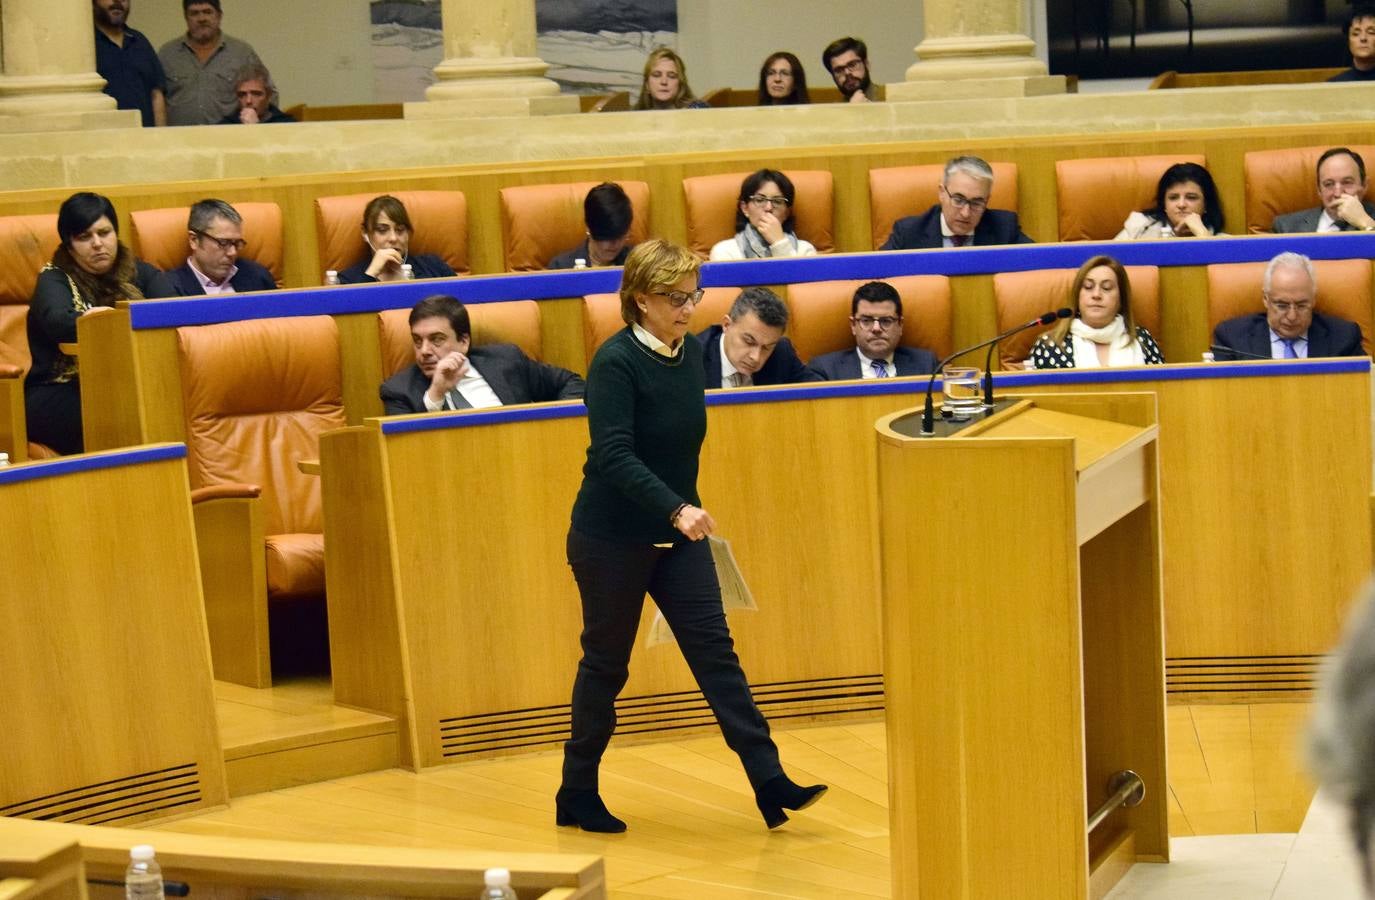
963,391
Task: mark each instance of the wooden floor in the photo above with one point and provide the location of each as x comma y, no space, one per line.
694,831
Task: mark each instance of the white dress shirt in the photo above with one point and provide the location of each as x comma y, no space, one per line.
474,389
866,365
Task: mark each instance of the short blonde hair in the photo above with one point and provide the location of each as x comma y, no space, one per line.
653,265
684,95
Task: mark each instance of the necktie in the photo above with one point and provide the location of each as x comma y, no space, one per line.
880,370
457,400
740,379
959,240
1289,349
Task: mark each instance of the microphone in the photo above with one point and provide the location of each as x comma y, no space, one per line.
928,415
1218,347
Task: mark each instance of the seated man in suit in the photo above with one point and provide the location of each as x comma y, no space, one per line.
1341,188
607,213
1288,328
449,373
749,348
961,218
876,322
214,231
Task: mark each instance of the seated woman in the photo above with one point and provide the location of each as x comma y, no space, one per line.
763,221
1102,333
387,232
91,268
665,84
782,81
1186,205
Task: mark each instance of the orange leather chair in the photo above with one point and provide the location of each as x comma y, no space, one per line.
26,245
712,200
1095,196
899,191
257,395
601,315
506,322
160,236
440,219
1022,296
819,314
1286,181
1234,289
540,221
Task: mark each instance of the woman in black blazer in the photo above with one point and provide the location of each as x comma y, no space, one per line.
387,231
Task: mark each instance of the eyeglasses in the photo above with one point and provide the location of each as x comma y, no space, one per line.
853,67
679,298
978,204
761,200
1283,308
225,244
868,322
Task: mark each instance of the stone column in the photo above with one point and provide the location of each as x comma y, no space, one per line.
490,65
48,80
975,48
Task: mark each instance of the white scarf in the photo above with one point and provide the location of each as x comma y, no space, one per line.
753,245
1122,350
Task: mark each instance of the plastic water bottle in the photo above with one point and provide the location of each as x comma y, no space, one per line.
1208,356
331,276
143,878
407,273
4,460
498,887
580,263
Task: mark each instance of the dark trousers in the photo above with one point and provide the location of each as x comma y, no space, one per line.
613,579
52,414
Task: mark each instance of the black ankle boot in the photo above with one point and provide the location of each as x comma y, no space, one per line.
586,810
780,793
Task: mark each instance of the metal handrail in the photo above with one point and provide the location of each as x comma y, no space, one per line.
1125,789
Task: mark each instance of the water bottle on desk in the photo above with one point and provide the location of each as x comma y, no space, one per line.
331,276
407,273
4,460
143,878
580,263
498,885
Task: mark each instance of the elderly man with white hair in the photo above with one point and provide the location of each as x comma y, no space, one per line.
961,217
1289,327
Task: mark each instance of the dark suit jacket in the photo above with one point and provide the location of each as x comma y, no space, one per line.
1327,336
513,377
923,232
843,364
250,277
566,259
426,265
782,367
1306,221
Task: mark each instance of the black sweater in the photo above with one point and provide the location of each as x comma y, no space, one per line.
647,418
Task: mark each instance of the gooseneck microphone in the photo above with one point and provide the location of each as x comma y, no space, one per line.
928,415
1220,348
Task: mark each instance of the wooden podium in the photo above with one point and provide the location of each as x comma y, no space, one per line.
1023,647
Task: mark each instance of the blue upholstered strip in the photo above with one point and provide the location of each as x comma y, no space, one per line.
550,285
67,465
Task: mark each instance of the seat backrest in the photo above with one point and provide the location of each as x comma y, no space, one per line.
898,191
1022,296
711,202
26,245
540,221
1285,181
1234,289
601,315
1095,196
440,219
819,314
504,322
159,236
257,396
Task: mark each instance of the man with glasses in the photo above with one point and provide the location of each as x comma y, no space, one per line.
1341,188
876,323
847,59
961,218
1289,328
214,231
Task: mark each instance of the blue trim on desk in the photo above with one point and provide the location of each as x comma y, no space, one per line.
147,314
440,421
68,465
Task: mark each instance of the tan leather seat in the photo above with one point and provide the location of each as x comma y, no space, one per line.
899,191
257,394
1234,289
1095,196
819,320
711,202
159,236
1285,181
1022,296
506,322
601,315
26,245
540,221
440,219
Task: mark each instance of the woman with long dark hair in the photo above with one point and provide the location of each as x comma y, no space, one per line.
782,81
